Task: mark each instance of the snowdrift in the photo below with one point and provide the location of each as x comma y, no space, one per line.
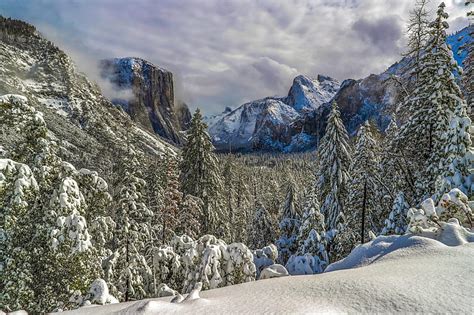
430,273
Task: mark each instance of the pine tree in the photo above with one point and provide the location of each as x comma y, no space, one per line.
396,223
431,104
53,245
333,174
189,217
311,238
172,202
200,176
417,31
457,162
468,70
262,230
290,222
228,177
363,206
130,275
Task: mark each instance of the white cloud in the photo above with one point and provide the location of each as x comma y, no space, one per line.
225,52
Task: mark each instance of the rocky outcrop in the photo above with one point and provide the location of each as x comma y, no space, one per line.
184,115
150,99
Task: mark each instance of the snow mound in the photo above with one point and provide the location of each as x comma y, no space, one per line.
273,271
450,234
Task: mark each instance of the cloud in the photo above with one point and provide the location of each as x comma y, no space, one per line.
226,52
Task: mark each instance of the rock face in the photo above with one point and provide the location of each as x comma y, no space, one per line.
372,98
266,124
90,128
151,101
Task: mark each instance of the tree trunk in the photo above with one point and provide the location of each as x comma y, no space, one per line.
364,202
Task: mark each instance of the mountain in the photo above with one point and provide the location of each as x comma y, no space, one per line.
374,97
92,129
266,124
151,102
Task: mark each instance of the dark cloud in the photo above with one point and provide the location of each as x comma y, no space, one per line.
226,52
384,33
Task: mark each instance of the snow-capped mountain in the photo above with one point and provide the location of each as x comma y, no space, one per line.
374,97
151,100
265,124
307,94
89,126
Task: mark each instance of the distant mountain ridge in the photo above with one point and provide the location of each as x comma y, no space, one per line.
298,121
265,124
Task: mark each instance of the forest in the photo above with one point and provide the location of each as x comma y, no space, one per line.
143,226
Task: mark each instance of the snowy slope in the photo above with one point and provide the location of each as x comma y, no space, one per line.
391,274
256,124
75,110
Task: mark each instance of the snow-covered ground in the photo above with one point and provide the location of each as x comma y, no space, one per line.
391,274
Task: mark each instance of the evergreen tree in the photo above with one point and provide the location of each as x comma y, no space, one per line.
363,206
311,238
396,223
228,177
130,275
189,218
333,174
468,70
52,242
289,225
457,162
430,105
172,202
201,178
417,31
262,230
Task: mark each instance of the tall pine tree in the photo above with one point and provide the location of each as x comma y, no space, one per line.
431,105
200,176
363,206
333,174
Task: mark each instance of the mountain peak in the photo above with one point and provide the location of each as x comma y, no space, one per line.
307,94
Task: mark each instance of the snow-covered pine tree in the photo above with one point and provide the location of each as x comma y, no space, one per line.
363,205
290,222
200,176
54,245
127,270
397,223
190,217
262,231
333,174
17,193
311,238
228,177
171,203
457,162
468,70
156,180
430,106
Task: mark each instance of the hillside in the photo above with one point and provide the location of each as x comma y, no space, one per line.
88,125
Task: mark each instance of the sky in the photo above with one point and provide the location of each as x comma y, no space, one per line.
227,52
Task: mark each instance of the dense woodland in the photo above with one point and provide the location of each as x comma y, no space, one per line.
154,226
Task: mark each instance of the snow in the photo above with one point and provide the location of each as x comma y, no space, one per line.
273,271
398,274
